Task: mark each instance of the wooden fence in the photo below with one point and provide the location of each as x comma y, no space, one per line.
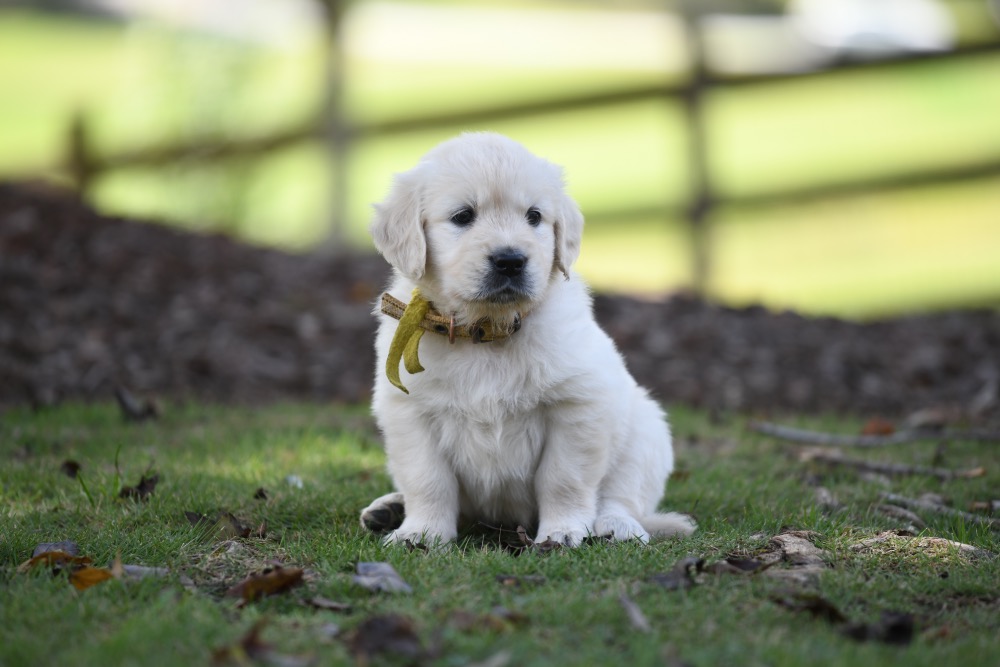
331,127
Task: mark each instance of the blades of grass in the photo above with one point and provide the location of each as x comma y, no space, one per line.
86,491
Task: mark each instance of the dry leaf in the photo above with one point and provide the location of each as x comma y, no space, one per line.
392,634
635,616
682,576
816,605
224,526
322,603
878,426
892,628
142,490
260,494
270,581
54,559
251,648
380,577
520,580
87,576
70,468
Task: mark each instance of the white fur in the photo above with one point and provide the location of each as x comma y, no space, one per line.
546,427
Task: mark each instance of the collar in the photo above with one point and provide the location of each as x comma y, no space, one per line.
482,331
417,317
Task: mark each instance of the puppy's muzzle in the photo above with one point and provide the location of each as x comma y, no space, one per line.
508,263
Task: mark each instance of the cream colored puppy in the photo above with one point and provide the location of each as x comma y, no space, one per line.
514,406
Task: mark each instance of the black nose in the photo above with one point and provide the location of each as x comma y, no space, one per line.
509,264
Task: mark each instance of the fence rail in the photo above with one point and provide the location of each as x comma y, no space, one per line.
84,164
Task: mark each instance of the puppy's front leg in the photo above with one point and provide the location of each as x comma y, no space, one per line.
573,463
428,485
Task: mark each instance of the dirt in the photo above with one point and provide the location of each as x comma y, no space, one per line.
90,303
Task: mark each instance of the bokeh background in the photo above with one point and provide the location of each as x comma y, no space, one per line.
832,156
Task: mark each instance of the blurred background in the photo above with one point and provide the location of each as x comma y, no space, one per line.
832,156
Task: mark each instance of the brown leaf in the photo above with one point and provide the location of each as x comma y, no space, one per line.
740,566
323,603
892,628
878,426
270,581
380,577
681,577
251,648
392,633
142,490
70,468
635,616
816,605
67,546
87,576
223,526
520,580
54,559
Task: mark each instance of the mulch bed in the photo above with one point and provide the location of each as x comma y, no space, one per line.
90,303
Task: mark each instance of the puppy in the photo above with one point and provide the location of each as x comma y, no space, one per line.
513,406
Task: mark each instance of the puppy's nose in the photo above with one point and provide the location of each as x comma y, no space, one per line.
509,264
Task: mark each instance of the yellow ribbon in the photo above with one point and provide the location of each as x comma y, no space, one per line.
406,340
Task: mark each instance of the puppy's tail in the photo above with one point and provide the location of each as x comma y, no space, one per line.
670,524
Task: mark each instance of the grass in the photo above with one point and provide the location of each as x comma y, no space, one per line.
743,489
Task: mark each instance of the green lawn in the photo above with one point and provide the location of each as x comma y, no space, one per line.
857,256
743,488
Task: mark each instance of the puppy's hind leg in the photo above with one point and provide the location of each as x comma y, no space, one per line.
384,514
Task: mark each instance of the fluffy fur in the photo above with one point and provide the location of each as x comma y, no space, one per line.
545,428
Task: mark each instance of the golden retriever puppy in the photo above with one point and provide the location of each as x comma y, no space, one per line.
499,397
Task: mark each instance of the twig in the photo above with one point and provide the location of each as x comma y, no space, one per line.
844,440
634,613
944,474
914,503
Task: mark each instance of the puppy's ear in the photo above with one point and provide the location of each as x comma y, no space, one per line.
569,232
398,226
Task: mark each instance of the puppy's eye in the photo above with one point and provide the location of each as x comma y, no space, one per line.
463,217
534,216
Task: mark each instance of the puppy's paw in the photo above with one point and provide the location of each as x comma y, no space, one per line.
384,514
620,527
416,533
569,534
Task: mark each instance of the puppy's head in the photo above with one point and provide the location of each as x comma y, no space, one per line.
482,225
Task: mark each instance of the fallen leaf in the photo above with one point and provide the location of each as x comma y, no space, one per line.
816,605
260,494
87,576
323,603
251,648
269,581
739,566
635,616
380,577
142,490
681,577
392,633
897,512
499,619
223,526
988,506
520,580
878,426
54,559
70,468
892,628
66,546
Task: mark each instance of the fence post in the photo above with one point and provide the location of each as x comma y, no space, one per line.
81,165
701,201
337,131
